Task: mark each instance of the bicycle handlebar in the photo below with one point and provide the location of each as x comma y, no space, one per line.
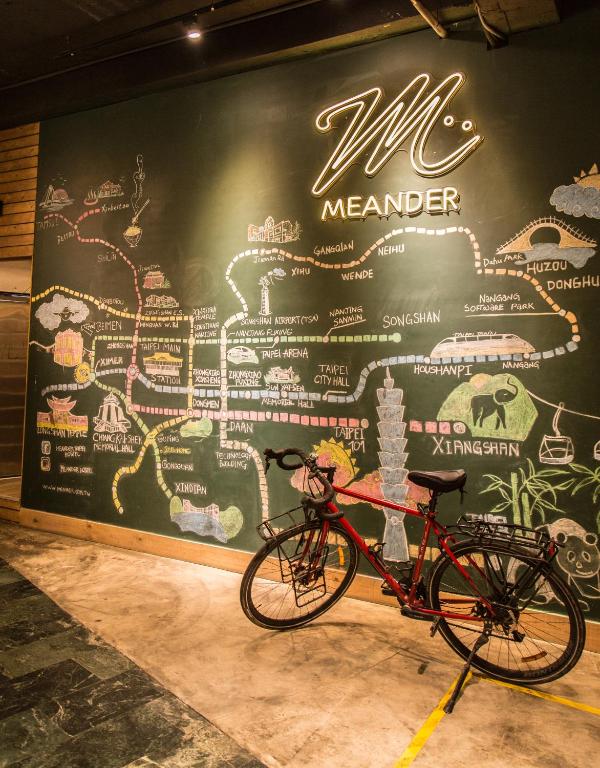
319,505
279,456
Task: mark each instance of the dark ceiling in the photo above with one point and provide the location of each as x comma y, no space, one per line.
58,56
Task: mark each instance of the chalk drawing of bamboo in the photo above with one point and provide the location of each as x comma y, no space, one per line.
392,459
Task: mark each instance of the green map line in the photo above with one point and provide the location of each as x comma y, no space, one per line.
224,341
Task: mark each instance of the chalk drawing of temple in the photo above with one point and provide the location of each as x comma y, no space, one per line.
110,416
60,419
270,232
155,279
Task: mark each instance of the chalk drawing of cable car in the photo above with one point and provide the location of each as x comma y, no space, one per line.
466,344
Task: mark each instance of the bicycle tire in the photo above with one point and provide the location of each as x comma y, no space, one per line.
568,626
254,578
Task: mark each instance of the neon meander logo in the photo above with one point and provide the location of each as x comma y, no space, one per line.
377,137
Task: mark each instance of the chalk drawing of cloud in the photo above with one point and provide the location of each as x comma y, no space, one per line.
51,313
577,200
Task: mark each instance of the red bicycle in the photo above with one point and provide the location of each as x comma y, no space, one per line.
492,593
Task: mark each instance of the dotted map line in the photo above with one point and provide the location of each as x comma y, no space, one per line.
224,414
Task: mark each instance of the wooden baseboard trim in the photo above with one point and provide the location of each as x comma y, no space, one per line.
362,588
138,541
8,512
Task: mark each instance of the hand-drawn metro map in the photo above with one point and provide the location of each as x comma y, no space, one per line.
167,378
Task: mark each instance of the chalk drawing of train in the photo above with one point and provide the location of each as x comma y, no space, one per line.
467,344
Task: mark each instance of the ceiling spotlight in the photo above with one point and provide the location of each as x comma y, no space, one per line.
192,29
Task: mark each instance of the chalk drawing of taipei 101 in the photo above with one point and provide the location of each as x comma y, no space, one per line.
392,459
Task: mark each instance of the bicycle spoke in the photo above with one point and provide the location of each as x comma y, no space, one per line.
300,574
525,641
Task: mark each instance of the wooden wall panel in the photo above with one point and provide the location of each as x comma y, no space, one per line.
18,178
15,275
13,351
21,131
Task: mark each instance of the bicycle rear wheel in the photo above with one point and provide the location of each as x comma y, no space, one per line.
538,632
298,575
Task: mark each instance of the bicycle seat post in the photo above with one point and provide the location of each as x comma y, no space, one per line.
432,506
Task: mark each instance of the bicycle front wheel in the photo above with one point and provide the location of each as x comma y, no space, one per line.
537,631
298,575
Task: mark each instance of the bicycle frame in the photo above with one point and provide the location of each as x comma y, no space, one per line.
491,595
410,598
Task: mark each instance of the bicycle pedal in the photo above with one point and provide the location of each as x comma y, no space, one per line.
412,614
387,590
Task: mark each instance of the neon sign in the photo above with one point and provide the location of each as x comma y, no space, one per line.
414,110
407,203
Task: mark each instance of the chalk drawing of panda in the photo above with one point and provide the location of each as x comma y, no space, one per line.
578,558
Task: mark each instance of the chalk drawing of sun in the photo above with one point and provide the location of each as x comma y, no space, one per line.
589,179
330,453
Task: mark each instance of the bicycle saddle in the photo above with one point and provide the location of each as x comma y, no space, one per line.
440,482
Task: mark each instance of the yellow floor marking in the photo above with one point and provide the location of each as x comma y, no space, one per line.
425,731
422,735
543,695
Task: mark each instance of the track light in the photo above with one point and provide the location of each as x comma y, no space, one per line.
192,29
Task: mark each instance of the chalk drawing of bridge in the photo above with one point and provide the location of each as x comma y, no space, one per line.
569,236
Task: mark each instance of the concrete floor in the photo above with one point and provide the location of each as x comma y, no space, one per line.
352,689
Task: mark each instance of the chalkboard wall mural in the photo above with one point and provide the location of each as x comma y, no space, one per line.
387,255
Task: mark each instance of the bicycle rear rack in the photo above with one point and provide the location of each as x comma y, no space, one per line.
535,541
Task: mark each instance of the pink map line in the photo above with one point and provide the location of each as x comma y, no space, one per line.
110,246
263,416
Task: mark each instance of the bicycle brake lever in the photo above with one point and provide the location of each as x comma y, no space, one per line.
267,465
